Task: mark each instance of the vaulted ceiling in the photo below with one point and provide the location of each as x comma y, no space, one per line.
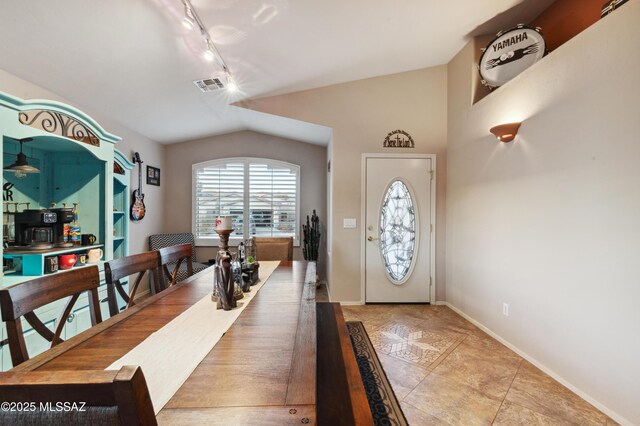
133,61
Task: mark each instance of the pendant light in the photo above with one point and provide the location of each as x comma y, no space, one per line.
21,165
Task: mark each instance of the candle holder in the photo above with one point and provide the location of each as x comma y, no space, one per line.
223,274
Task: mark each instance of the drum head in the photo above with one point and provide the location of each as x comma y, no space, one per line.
510,53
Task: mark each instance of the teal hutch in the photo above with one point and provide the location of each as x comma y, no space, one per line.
78,164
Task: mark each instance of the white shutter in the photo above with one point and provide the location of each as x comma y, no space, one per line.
261,193
218,190
273,200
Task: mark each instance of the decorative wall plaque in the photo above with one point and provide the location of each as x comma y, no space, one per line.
398,139
153,176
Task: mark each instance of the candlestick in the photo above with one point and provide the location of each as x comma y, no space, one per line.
223,273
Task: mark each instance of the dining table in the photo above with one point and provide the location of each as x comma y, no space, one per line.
261,369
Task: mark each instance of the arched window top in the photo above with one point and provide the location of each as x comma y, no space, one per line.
262,196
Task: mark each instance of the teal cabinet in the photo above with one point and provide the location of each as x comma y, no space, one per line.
78,164
121,201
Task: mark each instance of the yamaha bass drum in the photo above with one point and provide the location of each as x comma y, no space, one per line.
510,53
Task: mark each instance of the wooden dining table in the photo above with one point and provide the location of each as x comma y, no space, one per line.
262,371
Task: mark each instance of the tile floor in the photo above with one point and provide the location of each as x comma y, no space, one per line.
446,371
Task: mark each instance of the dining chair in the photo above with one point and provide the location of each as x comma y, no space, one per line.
173,257
21,300
158,241
100,397
117,270
273,248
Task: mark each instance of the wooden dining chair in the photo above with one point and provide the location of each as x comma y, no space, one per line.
117,270
275,248
21,300
159,241
101,397
172,257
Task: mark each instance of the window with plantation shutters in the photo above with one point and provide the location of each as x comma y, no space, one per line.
261,195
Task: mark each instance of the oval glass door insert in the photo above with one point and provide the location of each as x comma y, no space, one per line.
398,231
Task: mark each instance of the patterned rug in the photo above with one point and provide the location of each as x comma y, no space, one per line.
383,402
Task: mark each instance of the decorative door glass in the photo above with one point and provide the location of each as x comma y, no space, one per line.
398,231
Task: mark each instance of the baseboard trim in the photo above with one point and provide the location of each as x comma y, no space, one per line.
615,416
352,303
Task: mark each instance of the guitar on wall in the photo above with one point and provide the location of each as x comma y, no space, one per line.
138,209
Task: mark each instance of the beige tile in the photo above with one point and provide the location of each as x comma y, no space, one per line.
403,376
444,369
538,392
409,343
453,402
486,345
372,316
511,414
417,417
488,373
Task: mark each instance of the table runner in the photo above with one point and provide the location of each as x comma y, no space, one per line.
169,356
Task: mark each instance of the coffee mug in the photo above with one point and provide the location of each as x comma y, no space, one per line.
94,255
82,259
88,239
66,261
50,264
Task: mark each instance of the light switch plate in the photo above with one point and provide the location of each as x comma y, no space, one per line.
349,222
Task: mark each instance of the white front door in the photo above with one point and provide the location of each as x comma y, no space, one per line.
398,229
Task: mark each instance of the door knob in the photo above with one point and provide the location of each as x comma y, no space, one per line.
371,238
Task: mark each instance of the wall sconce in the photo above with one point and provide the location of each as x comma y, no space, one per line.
505,132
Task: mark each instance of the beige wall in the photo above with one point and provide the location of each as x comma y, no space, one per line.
152,153
550,222
361,114
311,158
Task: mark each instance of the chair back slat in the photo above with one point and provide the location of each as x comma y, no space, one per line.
62,319
174,256
109,397
30,295
38,326
117,269
21,300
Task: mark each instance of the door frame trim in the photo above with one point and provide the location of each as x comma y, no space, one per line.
363,230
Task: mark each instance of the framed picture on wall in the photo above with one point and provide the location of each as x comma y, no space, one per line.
153,176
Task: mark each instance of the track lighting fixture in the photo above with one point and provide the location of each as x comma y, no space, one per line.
211,52
232,86
188,22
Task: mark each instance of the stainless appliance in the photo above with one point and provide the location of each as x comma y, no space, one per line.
34,229
63,216
39,237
